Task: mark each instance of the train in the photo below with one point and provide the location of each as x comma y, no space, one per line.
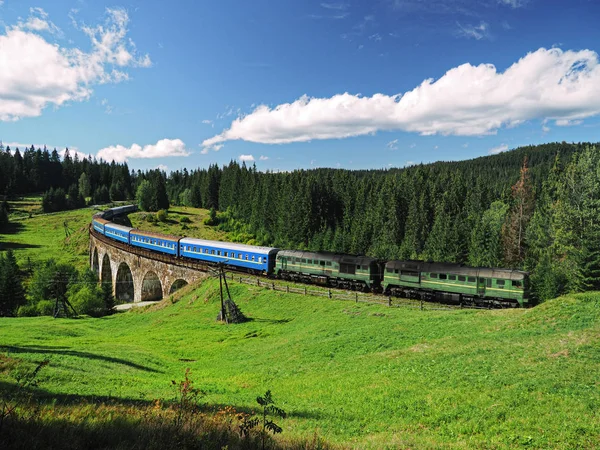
425,280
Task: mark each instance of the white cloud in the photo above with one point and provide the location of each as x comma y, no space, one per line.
74,151
162,167
478,32
207,122
335,6
467,101
501,148
567,122
375,37
545,128
263,158
513,3
392,145
246,158
163,148
68,73
23,147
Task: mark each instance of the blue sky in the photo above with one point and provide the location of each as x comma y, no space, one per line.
288,84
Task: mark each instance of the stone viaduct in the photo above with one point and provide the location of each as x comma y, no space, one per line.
136,274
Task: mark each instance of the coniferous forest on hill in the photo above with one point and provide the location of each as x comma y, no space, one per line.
534,208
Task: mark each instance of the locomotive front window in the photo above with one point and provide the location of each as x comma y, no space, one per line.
322,263
516,283
500,283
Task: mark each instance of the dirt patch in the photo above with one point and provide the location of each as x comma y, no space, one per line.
564,353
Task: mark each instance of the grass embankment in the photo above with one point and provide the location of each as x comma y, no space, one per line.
174,226
360,375
62,236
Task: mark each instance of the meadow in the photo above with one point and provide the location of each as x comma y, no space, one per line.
355,375
360,375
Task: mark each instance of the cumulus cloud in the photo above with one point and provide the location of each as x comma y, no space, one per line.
246,158
481,31
163,148
501,148
467,101
68,73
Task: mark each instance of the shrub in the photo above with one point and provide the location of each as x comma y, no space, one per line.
45,307
88,300
162,215
28,310
185,219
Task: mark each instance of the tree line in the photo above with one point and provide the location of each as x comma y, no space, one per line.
532,208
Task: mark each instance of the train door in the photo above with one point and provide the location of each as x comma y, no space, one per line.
481,287
284,263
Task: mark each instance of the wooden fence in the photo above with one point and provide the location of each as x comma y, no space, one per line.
336,294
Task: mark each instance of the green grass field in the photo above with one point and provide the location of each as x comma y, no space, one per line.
361,375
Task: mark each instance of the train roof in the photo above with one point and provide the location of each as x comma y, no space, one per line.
329,256
228,245
99,219
118,227
166,237
457,269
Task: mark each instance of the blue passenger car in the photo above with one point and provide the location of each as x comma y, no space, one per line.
117,232
261,259
98,223
154,241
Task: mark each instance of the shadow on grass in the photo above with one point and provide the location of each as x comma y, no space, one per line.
38,349
16,246
49,421
273,321
12,228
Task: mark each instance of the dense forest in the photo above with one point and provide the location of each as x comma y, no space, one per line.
532,208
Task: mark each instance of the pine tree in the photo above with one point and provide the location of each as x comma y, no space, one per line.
12,294
513,232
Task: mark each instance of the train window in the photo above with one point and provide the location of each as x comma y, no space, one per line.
388,270
516,283
500,283
328,263
239,255
462,278
452,277
303,260
212,252
471,279
322,263
246,257
365,267
259,259
489,282
433,275
252,257
397,271
443,276
357,267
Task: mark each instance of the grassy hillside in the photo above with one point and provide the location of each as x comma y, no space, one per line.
360,375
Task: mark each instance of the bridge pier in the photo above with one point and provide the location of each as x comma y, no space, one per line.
135,277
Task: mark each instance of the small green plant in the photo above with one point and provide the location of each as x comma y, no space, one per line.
187,401
212,218
268,408
185,219
150,218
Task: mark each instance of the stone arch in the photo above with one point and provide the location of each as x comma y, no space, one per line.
178,284
151,287
95,263
124,291
106,274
